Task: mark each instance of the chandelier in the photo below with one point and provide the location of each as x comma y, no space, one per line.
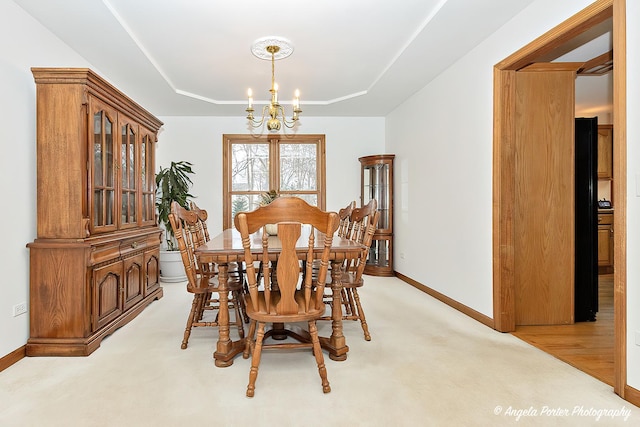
273,48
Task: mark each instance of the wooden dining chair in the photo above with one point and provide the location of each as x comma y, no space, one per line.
235,271
203,215
363,223
344,228
345,219
201,278
293,300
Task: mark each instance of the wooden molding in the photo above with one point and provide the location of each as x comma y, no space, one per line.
590,16
632,395
620,196
13,357
553,66
598,66
485,320
503,199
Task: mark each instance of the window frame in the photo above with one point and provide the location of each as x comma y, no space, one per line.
274,142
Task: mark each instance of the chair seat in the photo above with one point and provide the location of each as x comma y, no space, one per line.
350,279
261,314
233,284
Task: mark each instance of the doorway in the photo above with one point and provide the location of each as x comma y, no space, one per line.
507,194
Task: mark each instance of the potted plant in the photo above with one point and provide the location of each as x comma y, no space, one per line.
265,199
268,197
172,184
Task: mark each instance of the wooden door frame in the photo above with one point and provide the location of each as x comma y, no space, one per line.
504,171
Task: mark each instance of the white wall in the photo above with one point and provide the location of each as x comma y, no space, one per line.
25,43
199,141
444,168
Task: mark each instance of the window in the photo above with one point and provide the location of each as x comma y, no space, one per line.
294,166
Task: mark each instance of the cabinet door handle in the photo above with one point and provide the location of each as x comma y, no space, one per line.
134,245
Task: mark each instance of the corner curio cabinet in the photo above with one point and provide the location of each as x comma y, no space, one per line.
95,262
376,174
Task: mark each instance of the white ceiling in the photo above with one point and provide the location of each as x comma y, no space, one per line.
350,58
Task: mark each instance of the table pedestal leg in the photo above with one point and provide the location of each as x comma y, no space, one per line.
278,332
336,344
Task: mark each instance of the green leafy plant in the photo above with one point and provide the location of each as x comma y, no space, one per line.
172,184
268,197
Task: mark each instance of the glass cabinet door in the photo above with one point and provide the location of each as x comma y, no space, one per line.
128,176
147,179
380,252
376,186
122,171
103,168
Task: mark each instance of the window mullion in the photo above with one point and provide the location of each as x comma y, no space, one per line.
274,164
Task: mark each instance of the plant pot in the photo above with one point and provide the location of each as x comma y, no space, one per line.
171,267
272,229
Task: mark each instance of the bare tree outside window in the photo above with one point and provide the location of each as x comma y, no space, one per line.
298,167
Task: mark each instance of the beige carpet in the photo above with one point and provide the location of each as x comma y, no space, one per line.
427,365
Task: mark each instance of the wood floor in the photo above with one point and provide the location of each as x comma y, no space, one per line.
587,346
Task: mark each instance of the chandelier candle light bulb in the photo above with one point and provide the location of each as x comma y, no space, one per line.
273,48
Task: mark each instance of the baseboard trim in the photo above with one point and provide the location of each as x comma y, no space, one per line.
13,357
482,318
632,395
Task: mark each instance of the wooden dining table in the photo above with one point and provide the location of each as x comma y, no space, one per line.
227,248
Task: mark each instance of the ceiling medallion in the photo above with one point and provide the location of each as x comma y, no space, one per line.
259,48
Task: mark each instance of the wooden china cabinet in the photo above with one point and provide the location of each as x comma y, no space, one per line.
605,152
605,216
94,263
376,175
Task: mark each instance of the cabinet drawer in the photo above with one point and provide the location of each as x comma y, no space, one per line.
105,252
128,246
605,219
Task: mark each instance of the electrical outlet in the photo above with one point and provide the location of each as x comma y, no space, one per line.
637,337
19,309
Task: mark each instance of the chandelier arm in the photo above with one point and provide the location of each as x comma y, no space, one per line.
255,123
288,123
